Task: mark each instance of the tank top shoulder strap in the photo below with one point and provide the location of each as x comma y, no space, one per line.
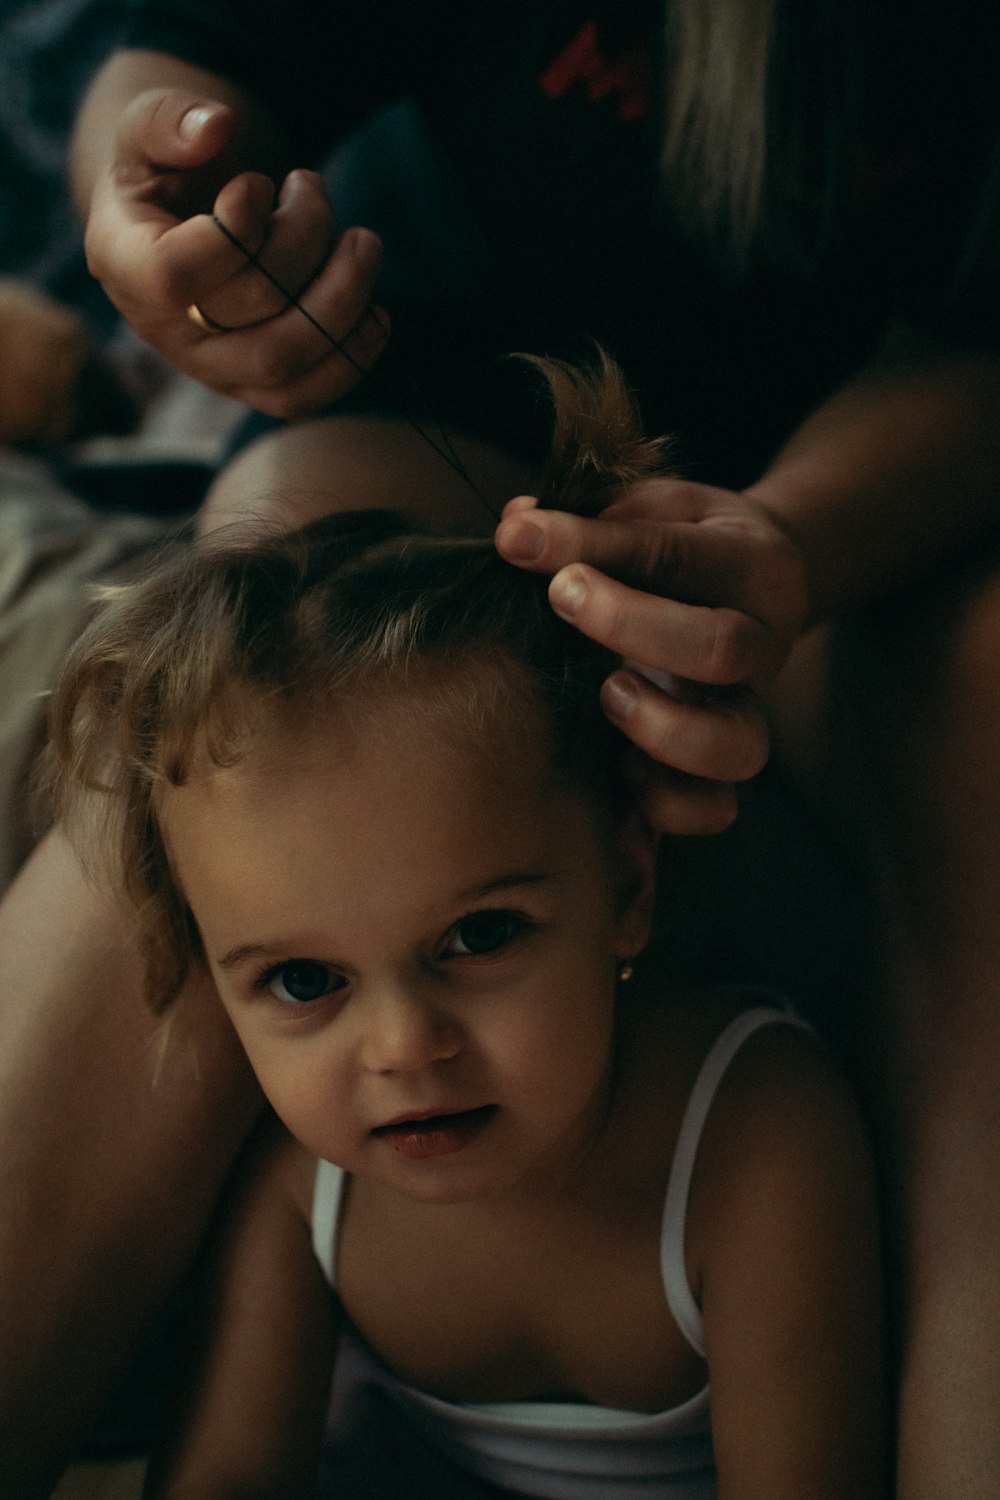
328,1192
680,1298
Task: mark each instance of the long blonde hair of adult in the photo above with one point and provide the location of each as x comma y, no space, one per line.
762,123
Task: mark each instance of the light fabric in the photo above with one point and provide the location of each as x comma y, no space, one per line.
53,549
576,1451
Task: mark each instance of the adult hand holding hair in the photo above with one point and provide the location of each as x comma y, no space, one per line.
714,587
697,584
160,146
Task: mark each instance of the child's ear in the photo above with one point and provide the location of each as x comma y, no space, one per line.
636,847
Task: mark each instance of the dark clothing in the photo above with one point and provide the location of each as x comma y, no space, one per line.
519,193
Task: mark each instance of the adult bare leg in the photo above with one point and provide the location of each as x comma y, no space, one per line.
114,1148
294,474
942,790
911,761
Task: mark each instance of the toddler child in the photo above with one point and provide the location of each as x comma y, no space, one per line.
590,1238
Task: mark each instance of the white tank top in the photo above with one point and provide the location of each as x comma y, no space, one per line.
567,1450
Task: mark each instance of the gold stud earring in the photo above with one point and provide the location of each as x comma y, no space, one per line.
625,971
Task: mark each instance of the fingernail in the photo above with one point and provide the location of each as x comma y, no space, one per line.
304,177
260,190
522,541
519,504
366,249
567,591
665,681
194,119
619,694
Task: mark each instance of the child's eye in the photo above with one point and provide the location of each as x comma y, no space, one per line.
484,932
300,980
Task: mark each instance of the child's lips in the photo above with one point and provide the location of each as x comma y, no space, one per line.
427,1133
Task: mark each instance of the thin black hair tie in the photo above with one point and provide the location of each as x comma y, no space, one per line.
441,443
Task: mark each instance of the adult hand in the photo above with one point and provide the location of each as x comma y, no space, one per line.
701,588
152,243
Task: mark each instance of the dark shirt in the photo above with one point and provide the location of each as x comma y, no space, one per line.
545,224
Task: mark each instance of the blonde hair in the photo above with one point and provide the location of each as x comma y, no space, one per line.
194,659
761,123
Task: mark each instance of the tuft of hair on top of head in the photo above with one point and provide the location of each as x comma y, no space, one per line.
598,446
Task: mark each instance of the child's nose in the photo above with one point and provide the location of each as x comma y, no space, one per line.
405,1031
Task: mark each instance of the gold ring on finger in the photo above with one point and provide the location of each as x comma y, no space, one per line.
201,320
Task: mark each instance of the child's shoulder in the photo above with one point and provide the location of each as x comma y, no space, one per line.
682,1040
758,1052
778,1083
784,1142
774,1091
697,1061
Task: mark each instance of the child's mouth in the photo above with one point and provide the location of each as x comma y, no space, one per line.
436,1135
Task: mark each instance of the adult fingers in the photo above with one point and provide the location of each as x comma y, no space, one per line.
163,130
681,805
277,256
336,301
711,645
186,261
712,561
147,236
324,383
287,367
718,738
519,505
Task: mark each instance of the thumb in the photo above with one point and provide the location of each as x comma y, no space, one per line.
172,129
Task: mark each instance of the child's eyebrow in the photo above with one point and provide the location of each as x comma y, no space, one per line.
237,956
505,883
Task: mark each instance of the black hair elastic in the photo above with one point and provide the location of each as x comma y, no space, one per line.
441,442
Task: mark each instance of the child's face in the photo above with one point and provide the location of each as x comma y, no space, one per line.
417,946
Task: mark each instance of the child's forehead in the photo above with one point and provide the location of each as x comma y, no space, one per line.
489,732
474,725
486,709
435,799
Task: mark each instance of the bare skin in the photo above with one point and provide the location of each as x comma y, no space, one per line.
850,510
878,766
296,474
372,842
108,1192
160,145
894,475
928,704
939,1261
78,1146
901,762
